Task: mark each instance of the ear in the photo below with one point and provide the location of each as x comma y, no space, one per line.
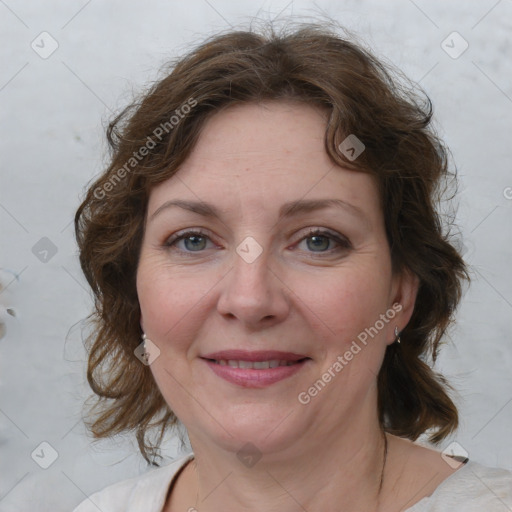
405,290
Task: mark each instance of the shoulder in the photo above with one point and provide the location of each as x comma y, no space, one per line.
474,487
145,492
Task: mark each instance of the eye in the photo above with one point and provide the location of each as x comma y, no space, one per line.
323,241
190,241
316,241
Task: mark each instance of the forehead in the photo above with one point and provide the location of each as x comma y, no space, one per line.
277,128
263,155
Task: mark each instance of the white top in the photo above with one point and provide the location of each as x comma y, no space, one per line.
472,488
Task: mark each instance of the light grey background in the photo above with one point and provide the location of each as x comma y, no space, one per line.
53,143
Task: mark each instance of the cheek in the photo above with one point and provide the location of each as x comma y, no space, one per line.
171,301
345,303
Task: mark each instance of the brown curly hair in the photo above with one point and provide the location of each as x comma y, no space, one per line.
317,66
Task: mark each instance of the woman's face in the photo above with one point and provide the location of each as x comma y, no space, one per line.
259,244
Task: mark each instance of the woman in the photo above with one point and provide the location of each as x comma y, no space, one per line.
270,271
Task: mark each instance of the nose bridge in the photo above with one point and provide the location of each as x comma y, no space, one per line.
252,293
251,278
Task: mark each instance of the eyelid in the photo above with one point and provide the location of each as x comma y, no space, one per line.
341,241
184,233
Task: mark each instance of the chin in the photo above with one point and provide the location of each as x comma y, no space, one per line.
267,429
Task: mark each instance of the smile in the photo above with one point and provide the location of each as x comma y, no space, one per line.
255,369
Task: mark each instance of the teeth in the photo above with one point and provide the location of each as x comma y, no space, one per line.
255,365
261,365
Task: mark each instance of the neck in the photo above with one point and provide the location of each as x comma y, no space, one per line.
343,472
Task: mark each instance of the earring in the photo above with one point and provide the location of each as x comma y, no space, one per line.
145,347
147,351
397,335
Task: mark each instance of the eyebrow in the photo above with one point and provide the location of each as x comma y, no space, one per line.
287,210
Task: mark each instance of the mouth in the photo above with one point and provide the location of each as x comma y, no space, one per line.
257,360
255,369
255,365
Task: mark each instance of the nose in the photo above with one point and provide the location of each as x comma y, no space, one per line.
254,294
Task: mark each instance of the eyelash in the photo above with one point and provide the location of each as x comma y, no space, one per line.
343,243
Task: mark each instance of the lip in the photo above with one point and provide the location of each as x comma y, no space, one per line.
252,378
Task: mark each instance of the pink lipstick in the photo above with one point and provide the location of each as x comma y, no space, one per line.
254,369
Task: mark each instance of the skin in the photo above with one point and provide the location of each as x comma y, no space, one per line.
311,296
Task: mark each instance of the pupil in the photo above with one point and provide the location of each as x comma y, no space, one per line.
318,242
194,243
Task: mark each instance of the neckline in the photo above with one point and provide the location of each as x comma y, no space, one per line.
447,481
187,459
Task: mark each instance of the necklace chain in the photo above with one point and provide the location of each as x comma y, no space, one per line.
383,463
